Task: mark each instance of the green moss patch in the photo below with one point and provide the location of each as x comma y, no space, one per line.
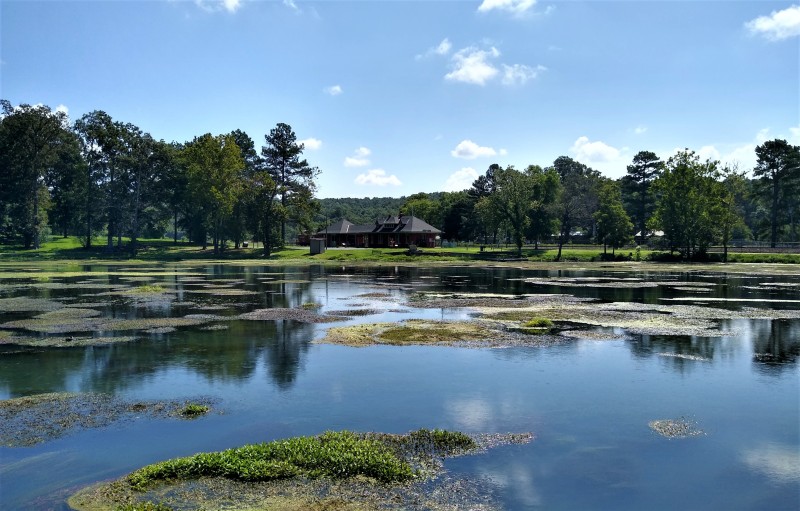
30,420
194,410
333,471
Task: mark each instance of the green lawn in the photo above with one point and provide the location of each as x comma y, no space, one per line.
59,249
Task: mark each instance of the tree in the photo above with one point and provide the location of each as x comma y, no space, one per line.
511,199
726,208
642,172
32,139
613,224
213,166
685,210
545,191
577,200
483,187
291,174
778,170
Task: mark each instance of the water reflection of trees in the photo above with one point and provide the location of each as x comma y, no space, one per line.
776,345
684,351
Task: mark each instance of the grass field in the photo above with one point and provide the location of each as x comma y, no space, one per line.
60,249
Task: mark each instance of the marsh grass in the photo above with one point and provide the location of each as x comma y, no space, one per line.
333,454
194,410
147,289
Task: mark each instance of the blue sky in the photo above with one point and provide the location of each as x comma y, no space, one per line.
394,98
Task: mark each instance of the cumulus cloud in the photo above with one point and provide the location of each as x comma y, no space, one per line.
333,90
218,5
593,152
709,152
471,65
62,108
460,179
377,177
442,49
519,74
359,158
515,7
311,143
778,25
469,150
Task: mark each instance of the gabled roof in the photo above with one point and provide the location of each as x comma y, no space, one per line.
340,227
404,224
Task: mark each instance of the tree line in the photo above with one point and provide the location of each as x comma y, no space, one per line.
98,175
695,203
102,176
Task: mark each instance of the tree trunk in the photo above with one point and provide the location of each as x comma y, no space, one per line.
774,216
175,228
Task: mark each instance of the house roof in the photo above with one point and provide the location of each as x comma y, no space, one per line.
392,224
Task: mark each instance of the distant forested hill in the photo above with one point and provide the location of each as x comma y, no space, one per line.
360,211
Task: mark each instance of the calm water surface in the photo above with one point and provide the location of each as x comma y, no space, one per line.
587,402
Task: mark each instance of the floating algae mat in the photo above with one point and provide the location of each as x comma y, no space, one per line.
332,471
429,332
30,420
66,323
295,314
676,428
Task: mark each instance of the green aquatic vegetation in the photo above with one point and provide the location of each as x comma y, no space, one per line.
144,506
146,289
89,324
222,291
538,322
25,304
355,312
675,428
69,341
333,455
336,471
416,331
193,410
29,420
298,314
311,306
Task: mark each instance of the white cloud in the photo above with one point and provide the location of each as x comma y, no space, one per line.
311,143
471,65
377,177
460,179
777,461
503,151
515,7
593,152
218,5
640,129
291,5
708,152
794,136
359,158
62,108
778,25
442,49
469,150
333,90
519,74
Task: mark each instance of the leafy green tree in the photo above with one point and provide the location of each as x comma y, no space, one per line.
729,187
292,175
644,169
32,140
577,200
457,219
484,186
545,192
613,224
511,199
778,170
686,209
252,164
421,206
262,192
214,165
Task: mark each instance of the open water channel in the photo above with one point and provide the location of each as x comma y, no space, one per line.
588,399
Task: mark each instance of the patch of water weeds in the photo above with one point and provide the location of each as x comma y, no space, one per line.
434,300
427,332
31,420
69,341
66,325
637,318
356,312
334,471
295,314
681,427
25,304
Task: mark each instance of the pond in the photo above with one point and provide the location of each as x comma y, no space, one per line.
718,351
